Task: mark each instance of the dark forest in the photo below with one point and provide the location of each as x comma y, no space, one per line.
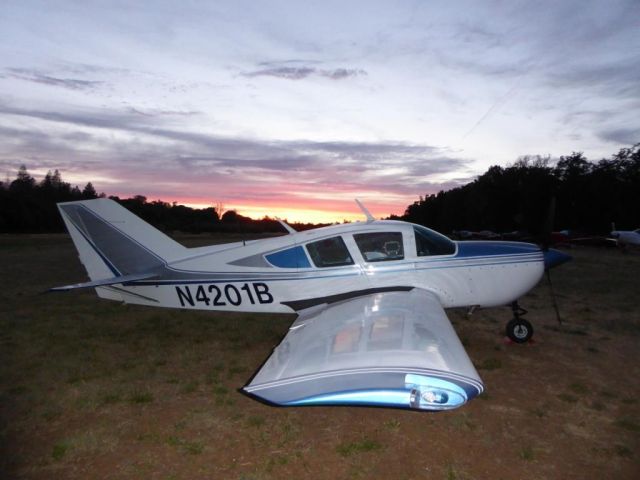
588,196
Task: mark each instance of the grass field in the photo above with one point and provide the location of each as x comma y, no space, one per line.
95,389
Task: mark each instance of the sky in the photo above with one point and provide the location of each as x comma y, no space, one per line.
292,109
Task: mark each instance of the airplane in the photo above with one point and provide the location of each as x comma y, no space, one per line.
370,297
623,238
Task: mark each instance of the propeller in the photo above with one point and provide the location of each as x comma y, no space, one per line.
553,296
552,257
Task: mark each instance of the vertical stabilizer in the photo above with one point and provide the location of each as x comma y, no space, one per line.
113,242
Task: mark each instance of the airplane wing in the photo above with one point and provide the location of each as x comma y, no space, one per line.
393,349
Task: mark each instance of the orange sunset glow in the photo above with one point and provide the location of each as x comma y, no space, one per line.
311,212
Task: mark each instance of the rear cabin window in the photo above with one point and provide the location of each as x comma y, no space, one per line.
380,246
289,258
330,252
429,243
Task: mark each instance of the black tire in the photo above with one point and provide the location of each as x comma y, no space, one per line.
519,330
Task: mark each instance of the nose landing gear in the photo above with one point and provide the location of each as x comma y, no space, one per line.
518,329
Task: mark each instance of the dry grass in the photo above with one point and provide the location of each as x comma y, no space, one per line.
94,389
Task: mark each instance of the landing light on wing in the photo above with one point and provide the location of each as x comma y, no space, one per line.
434,393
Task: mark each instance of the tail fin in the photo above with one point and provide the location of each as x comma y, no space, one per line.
113,243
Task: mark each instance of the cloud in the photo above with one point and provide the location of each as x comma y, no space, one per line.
37,76
575,44
621,136
613,79
161,112
289,73
77,68
588,116
301,72
154,160
340,73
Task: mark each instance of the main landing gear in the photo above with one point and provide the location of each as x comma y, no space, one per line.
518,329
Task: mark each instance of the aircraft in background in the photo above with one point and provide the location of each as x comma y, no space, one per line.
470,235
560,238
370,297
626,238
571,238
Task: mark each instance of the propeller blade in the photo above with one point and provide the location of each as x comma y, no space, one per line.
553,295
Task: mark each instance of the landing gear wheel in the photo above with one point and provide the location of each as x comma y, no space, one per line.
519,330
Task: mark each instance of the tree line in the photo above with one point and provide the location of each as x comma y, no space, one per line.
585,196
28,206
577,194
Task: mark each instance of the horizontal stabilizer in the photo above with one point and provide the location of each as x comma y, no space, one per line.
104,282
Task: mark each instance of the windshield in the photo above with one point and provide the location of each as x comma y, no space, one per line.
429,243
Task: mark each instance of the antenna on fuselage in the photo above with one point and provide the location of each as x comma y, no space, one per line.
287,227
370,218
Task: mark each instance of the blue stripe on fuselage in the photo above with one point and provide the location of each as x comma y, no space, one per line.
490,249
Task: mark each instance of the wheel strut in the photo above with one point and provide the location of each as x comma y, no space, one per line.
517,310
518,329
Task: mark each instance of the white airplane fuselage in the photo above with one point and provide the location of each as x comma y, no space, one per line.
370,297
279,274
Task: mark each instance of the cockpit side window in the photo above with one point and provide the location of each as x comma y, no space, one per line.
430,243
329,252
380,246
